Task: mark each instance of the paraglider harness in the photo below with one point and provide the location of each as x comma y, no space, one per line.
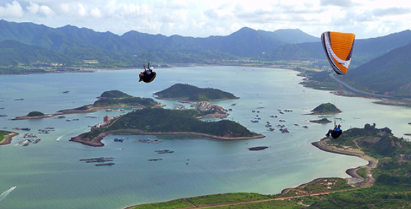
148,75
336,132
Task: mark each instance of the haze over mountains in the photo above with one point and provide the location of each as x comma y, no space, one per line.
29,43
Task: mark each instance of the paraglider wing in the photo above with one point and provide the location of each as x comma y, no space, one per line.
336,134
338,47
150,77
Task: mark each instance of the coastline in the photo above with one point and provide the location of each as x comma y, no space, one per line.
7,139
96,142
355,177
75,111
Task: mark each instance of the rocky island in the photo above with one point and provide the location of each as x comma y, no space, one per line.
159,121
189,93
323,120
325,108
107,100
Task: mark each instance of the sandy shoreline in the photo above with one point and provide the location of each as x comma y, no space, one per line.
8,138
355,177
96,142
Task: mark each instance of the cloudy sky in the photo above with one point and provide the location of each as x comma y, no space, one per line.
203,18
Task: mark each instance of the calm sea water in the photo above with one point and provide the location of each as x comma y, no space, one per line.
50,175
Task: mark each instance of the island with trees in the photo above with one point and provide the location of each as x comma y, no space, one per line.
325,108
159,121
107,100
189,93
382,183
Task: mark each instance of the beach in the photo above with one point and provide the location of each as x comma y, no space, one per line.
8,138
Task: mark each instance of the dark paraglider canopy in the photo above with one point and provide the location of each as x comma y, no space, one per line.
147,75
336,134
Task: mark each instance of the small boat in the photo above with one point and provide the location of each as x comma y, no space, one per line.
155,159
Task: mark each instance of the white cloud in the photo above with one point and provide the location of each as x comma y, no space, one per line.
96,13
35,9
391,11
11,10
203,18
340,3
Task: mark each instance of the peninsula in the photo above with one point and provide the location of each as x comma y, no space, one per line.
107,100
189,93
6,137
159,121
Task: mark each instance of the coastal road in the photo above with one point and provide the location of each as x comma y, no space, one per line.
356,90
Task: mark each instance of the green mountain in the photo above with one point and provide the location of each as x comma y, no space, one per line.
163,120
364,49
389,74
85,44
15,53
290,36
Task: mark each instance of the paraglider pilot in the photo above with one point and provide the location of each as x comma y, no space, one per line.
335,132
147,75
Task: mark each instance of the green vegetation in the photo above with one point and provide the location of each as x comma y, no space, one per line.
387,75
362,173
192,93
164,120
229,197
35,113
116,98
326,108
3,134
374,197
114,94
180,203
133,101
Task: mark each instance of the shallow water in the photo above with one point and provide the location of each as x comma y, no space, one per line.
50,175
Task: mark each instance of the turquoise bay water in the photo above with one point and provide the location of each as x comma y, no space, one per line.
50,175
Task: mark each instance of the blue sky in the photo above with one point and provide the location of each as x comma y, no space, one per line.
365,18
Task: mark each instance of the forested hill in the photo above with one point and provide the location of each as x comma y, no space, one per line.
84,44
364,49
389,74
15,53
164,120
193,93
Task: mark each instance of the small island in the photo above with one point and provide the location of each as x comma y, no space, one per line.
189,93
257,148
107,100
159,121
325,108
323,120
